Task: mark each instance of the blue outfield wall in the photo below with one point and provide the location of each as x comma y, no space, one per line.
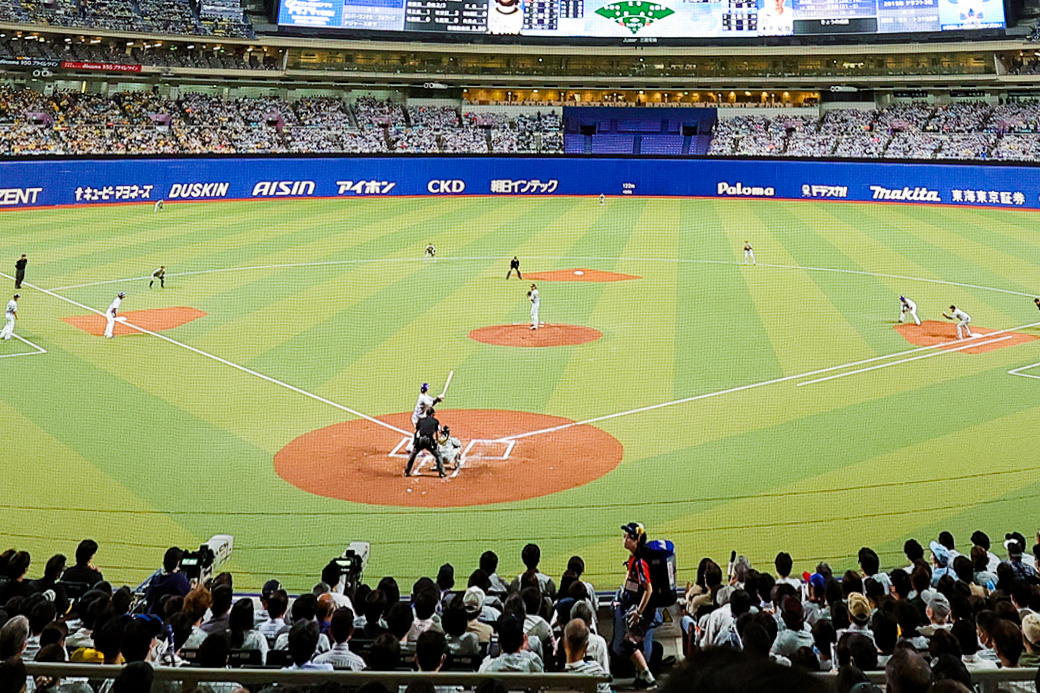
39,183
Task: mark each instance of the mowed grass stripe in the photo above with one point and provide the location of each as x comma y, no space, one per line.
978,231
402,296
780,295
435,340
637,317
79,486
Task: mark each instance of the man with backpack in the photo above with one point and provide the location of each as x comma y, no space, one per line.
634,616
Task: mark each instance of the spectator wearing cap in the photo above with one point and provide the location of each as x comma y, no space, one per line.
981,540
795,632
340,656
1031,641
261,615
634,618
513,655
938,613
489,564
532,556
859,615
473,603
84,570
940,561
169,581
1020,566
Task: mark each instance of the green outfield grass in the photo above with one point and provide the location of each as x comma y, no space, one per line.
142,443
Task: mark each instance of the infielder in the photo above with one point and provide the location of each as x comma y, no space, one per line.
111,313
536,302
431,252
10,315
159,274
749,254
908,306
159,206
963,320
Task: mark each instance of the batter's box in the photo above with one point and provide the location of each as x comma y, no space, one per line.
488,449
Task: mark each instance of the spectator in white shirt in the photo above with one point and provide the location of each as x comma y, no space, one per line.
304,608
424,605
981,539
968,639
489,564
532,556
340,656
243,635
783,564
332,576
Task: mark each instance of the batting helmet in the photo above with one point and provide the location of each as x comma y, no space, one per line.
425,387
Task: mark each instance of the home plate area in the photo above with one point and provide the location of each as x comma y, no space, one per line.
474,452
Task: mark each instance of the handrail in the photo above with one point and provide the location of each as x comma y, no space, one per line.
194,675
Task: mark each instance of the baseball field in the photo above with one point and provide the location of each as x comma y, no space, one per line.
266,391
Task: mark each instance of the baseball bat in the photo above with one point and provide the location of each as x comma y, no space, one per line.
447,383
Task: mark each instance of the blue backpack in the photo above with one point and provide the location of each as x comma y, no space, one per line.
660,557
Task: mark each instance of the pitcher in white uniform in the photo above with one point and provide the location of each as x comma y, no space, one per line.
963,320
536,302
908,306
10,315
111,313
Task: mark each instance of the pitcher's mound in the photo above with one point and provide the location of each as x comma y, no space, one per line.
944,335
155,319
352,461
545,336
579,274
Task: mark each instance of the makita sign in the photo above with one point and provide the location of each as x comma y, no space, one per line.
189,191
905,194
741,190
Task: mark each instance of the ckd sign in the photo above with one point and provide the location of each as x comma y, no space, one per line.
442,187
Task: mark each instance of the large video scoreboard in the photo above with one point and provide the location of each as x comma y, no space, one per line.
639,19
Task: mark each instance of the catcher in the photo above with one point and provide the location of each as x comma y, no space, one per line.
450,448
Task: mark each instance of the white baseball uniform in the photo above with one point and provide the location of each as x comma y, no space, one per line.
431,252
422,405
749,254
110,316
963,320
910,307
602,198
536,303
9,314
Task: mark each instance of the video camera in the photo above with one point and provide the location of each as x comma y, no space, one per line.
352,563
202,564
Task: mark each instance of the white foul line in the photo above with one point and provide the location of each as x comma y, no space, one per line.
969,345
740,388
1018,371
218,359
39,349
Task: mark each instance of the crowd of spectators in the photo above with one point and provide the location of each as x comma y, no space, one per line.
969,130
942,613
152,16
174,55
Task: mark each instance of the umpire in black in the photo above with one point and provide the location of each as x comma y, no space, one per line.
426,439
19,271
514,264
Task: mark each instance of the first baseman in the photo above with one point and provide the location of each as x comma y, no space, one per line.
963,320
111,313
536,302
749,253
10,315
908,306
